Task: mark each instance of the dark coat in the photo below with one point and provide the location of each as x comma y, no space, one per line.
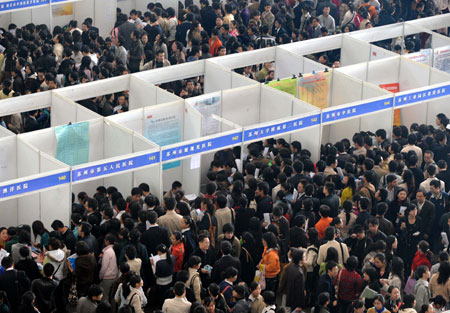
427,214
295,287
222,264
14,283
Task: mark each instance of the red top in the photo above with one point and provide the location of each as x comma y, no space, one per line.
178,253
420,259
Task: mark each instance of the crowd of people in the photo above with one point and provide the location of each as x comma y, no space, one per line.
34,58
364,228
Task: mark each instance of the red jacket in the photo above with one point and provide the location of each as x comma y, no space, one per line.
420,259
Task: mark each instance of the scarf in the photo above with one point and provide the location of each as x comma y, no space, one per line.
380,311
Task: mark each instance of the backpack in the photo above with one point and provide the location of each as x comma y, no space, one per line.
129,306
212,230
203,292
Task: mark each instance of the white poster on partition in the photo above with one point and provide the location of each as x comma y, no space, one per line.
423,56
207,105
441,59
164,126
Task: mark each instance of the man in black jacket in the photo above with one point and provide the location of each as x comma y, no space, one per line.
208,16
208,258
426,211
225,262
44,289
155,234
66,234
13,282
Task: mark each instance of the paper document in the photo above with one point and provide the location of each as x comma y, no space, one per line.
368,293
267,218
266,151
402,210
195,161
155,259
444,238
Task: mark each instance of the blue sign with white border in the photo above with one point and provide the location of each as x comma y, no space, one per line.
31,185
281,128
169,154
424,95
103,169
21,4
356,110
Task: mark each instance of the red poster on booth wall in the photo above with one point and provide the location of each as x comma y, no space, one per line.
394,88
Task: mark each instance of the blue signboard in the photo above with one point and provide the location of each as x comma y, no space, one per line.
424,95
26,4
114,167
281,128
34,184
169,154
356,110
21,4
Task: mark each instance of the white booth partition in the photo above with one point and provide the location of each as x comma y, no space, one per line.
217,77
33,185
172,73
64,111
26,103
165,124
358,108
143,94
238,80
302,125
401,75
96,88
239,60
436,22
4,132
421,105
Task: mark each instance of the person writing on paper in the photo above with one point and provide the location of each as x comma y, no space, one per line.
409,235
378,305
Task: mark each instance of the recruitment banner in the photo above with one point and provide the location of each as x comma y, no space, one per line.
208,105
394,88
288,85
424,56
314,89
73,143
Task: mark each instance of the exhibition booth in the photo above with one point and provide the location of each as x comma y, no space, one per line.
32,184
101,153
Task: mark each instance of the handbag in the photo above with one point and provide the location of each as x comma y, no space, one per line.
409,287
260,276
73,293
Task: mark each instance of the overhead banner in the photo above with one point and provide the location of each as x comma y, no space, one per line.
423,56
394,88
14,5
163,126
314,89
288,85
73,143
208,105
441,59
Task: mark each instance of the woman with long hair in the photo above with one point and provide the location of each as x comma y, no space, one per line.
370,278
391,247
409,235
348,218
396,275
312,268
42,232
177,250
164,269
409,184
131,293
248,257
440,282
271,261
350,188
189,232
